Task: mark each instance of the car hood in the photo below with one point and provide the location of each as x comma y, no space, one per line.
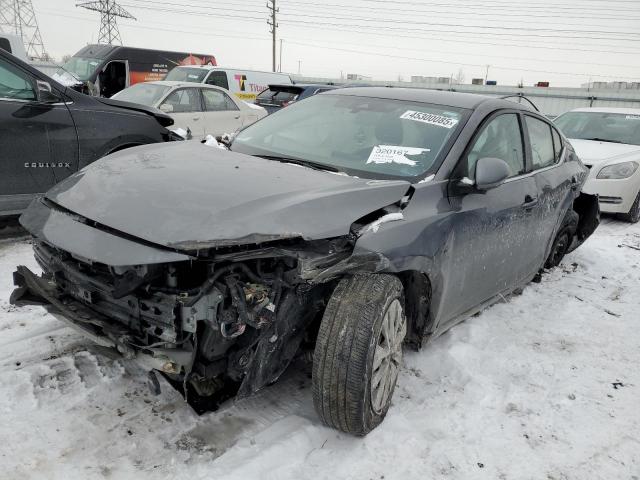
592,152
162,118
188,196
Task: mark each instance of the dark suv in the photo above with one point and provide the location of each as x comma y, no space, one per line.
49,131
278,96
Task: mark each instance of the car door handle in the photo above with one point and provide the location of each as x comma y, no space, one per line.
195,119
530,202
237,117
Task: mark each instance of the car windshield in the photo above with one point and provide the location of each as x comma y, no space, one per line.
186,74
607,127
367,137
143,93
79,67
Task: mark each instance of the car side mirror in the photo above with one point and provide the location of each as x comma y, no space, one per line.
166,107
491,172
45,93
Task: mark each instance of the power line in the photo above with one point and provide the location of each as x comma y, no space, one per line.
528,58
393,28
397,28
415,10
509,5
219,33
414,22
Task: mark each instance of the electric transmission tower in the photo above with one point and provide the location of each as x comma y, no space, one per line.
109,12
17,17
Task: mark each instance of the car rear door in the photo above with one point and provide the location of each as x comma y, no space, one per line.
39,145
221,113
556,181
491,230
185,107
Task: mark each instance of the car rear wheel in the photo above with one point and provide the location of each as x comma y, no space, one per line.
559,248
633,215
358,352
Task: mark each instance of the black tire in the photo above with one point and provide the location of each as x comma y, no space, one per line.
633,216
351,332
559,248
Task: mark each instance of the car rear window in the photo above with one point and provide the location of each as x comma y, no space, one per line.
276,97
187,74
143,93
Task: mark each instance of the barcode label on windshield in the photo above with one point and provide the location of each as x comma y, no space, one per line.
430,118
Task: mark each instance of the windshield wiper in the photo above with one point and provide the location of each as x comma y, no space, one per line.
299,161
598,139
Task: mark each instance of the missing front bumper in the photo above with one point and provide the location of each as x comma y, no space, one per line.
35,290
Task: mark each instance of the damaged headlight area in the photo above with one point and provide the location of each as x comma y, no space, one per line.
227,324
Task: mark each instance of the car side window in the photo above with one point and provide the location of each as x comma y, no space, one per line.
542,151
184,100
216,101
557,144
218,79
500,138
14,84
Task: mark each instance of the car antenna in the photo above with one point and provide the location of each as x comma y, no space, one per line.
519,95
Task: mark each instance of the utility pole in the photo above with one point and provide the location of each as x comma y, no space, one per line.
280,63
299,62
486,75
273,23
18,17
109,12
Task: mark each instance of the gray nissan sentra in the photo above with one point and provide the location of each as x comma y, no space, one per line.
348,225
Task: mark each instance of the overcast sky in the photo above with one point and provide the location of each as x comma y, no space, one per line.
565,42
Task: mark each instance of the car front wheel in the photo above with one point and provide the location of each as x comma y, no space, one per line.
358,352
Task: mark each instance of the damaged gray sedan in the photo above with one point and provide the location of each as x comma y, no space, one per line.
347,225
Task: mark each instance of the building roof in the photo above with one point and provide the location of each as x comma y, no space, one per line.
628,111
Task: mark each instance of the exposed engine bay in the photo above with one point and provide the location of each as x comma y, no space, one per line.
212,326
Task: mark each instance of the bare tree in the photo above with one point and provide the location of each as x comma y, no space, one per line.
460,76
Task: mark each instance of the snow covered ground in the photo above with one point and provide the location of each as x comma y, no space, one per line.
545,386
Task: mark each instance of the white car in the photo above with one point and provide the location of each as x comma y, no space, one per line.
607,140
198,109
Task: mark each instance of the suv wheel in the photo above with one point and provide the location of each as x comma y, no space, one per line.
358,352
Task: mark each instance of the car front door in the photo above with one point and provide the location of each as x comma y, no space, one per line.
39,145
221,114
185,107
491,241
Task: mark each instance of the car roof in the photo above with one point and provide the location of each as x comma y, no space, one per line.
300,86
218,67
629,111
422,95
178,83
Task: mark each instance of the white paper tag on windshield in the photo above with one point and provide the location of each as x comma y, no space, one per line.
394,154
632,117
430,118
